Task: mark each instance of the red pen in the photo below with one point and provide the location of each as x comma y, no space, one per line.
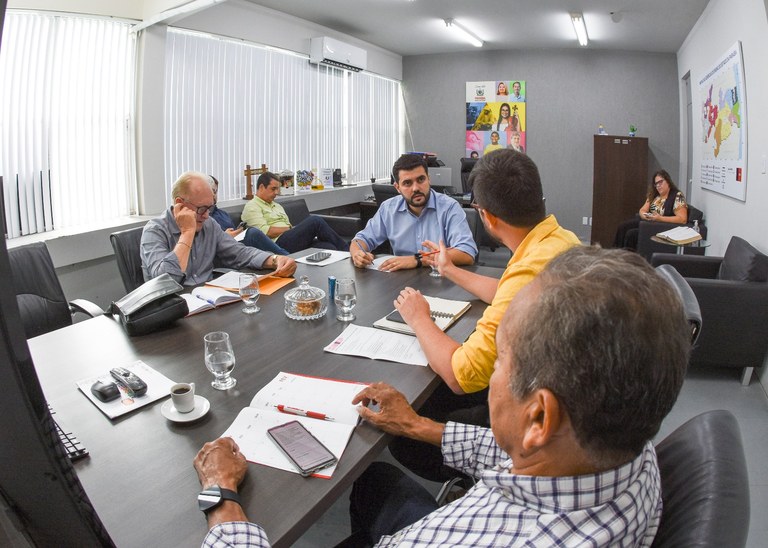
311,414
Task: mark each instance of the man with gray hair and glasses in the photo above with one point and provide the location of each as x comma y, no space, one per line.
587,368
185,242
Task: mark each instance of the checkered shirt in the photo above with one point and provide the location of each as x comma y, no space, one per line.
618,507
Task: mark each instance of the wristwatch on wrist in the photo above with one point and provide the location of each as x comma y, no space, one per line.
274,261
213,496
418,259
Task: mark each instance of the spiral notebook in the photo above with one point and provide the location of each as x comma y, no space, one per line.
445,312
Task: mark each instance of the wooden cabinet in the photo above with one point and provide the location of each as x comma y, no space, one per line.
619,185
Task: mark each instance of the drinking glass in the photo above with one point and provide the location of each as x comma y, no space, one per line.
345,299
249,292
220,359
434,273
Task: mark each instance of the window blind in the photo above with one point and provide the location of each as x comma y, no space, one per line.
230,103
66,93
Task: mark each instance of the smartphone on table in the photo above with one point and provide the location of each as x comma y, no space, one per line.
303,449
241,225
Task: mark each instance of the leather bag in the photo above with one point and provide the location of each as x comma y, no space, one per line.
151,306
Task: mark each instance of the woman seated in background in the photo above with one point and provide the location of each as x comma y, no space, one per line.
665,204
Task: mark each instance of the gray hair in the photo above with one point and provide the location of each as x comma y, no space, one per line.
184,182
609,338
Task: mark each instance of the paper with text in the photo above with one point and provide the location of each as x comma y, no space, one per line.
378,344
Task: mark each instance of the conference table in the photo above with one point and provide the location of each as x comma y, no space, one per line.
139,475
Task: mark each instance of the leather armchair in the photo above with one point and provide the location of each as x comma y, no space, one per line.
42,304
733,297
704,484
647,247
127,246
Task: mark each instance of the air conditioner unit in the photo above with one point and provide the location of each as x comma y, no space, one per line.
333,52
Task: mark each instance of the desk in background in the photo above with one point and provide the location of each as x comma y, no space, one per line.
139,475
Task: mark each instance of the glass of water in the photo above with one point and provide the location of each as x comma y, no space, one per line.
345,299
220,359
249,292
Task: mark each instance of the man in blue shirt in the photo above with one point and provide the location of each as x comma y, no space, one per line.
417,216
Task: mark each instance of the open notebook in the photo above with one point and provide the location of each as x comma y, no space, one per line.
445,312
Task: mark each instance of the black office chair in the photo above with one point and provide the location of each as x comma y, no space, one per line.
127,246
704,484
383,192
467,165
41,299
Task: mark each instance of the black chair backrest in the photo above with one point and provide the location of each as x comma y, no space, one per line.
127,246
687,296
296,209
39,295
383,192
704,484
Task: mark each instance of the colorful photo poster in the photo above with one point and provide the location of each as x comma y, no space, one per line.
495,116
724,126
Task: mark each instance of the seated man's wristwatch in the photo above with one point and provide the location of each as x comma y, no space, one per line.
213,496
418,259
274,261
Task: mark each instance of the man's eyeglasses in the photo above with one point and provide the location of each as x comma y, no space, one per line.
200,210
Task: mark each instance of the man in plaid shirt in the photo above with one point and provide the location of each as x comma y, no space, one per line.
588,366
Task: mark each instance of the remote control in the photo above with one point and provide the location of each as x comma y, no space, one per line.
318,257
129,380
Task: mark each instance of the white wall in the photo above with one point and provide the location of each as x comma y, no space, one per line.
723,23
720,26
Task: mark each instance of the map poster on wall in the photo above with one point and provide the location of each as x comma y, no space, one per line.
495,116
724,126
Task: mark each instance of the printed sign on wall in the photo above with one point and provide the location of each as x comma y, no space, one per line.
724,126
495,116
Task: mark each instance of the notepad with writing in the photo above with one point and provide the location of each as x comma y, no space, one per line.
319,396
444,312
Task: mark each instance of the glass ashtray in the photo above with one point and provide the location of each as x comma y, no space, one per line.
305,302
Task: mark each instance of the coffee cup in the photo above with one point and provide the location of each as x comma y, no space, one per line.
183,396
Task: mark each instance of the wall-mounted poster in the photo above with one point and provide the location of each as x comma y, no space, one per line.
724,126
495,116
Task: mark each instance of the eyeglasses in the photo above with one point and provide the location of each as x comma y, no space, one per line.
200,210
658,183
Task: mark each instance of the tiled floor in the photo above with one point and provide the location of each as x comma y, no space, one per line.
702,391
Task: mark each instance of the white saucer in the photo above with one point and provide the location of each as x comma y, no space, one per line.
202,406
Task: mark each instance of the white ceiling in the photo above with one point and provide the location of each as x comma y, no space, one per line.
415,27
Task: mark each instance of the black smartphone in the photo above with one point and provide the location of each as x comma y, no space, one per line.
241,225
303,449
318,257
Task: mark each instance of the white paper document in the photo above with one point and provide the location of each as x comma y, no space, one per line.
327,396
158,386
335,257
378,344
377,262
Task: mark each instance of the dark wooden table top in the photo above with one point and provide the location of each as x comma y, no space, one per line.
139,475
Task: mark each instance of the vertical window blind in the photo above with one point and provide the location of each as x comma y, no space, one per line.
230,103
66,95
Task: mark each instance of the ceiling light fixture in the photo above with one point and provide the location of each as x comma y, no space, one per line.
616,16
580,28
464,32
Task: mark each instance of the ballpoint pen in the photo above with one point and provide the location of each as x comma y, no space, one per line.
311,414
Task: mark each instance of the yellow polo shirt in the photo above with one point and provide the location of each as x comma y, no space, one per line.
263,215
472,362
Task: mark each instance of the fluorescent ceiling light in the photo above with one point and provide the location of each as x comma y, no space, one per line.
464,33
580,28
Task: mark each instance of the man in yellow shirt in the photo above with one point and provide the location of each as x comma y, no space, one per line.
510,201
268,216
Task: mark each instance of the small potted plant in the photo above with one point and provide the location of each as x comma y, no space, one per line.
632,130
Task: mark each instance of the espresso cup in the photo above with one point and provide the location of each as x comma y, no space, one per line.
183,396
